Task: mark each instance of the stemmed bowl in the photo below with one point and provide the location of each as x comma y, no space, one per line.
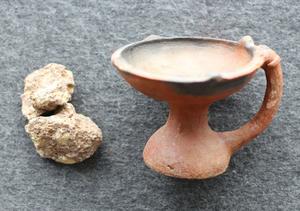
190,73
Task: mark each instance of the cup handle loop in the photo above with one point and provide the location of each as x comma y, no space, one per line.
240,137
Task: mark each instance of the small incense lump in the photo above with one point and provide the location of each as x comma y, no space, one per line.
64,136
47,88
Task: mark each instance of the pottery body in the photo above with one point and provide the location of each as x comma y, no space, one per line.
190,74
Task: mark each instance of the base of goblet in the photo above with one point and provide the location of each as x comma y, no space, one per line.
186,147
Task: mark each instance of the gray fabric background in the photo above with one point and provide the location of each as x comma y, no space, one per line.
82,35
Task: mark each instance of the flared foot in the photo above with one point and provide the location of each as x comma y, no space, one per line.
186,155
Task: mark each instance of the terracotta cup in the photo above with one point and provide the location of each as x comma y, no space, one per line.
191,73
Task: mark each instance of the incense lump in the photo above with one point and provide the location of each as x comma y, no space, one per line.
46,89
56,130
66,137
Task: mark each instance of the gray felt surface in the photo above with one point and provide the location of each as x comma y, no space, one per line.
82,35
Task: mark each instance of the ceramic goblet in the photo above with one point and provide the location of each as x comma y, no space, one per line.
191,73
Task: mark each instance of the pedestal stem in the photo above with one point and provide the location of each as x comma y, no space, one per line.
186,146
188,118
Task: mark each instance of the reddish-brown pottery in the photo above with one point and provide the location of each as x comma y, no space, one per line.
191,73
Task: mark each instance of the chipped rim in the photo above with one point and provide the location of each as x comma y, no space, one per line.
257,60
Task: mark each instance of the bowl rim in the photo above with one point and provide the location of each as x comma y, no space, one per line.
256,61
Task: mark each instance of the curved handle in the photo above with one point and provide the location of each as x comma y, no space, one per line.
238,138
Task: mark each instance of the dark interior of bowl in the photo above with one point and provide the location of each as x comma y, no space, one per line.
187,57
